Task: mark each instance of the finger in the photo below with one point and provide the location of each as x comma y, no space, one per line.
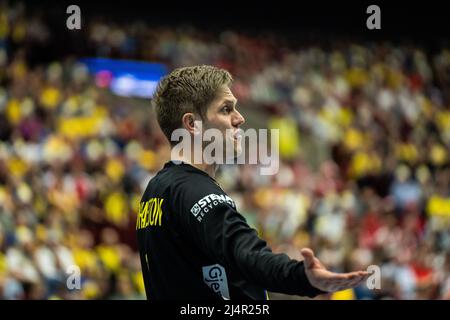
355,274
358,281
344,276
346,280
308,255
350,282
364,273
365,276
318,263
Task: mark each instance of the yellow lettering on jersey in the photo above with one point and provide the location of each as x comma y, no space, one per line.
150,213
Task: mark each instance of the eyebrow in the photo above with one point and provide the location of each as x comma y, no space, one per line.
233,101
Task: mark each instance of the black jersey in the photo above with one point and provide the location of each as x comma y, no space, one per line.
194,244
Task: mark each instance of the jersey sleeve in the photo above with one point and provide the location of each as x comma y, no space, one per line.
212,221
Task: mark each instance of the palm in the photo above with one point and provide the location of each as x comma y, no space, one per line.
328,281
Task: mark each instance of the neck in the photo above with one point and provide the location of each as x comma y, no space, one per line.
210,169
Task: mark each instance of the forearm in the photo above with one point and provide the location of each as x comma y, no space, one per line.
238,247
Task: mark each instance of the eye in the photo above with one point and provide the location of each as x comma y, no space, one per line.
226,109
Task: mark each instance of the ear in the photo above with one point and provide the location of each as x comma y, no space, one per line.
188,122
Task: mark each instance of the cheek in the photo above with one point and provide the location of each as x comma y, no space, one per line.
220,122
227,123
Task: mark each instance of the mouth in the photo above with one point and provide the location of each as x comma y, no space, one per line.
237,135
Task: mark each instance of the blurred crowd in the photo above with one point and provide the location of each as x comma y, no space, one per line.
364,143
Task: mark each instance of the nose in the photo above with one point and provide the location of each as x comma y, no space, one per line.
238,119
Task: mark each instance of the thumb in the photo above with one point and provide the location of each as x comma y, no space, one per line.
308,254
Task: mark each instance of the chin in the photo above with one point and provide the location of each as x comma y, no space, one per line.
237,149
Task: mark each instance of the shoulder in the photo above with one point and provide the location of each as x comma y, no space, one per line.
188,189
195,187
201,195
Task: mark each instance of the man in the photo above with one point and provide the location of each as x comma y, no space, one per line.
193,242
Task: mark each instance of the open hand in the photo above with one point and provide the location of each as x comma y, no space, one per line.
328,281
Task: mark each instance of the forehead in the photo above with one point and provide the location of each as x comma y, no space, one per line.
224,94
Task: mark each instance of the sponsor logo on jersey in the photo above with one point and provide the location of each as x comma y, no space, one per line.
205,204
215,277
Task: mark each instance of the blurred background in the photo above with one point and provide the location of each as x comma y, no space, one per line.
364,119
